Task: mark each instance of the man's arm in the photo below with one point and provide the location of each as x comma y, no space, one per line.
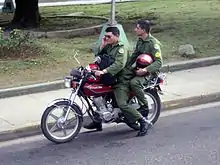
101,50
134,55
158,61
120,61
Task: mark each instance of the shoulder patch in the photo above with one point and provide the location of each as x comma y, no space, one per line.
121,50
156,46
158,55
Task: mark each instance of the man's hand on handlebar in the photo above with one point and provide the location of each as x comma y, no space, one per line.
98,73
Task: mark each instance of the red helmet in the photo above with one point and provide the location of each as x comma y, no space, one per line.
93,67
144,60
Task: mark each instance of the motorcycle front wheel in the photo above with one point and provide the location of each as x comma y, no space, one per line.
54,126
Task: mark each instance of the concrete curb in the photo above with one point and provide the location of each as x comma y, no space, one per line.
72,32
169,105
43,87
69,33
191,64
35,88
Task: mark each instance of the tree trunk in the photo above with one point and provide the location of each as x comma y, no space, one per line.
26,14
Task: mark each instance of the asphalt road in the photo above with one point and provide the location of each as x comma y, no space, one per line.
177,139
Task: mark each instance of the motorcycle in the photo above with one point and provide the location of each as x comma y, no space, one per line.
100,105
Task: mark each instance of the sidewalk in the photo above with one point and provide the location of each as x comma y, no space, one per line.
183,88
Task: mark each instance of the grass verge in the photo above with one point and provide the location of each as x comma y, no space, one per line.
177,22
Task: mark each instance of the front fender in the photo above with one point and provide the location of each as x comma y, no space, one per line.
57,100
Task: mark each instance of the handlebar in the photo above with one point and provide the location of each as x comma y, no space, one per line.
97,59
91,73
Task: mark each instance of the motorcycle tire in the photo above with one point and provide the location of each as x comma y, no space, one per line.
156,98
44,124
154,95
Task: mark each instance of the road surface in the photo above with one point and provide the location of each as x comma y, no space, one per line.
192,137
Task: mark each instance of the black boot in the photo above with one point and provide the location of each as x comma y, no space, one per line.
144,110
143,127
94,125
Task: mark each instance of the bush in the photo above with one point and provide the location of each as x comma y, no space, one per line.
13,41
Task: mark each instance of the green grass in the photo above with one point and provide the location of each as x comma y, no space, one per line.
55,61
66,23
196,22
179,22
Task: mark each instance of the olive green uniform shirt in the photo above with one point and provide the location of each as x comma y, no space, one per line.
151,46
120,53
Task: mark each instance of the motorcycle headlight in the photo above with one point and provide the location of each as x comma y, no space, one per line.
68,82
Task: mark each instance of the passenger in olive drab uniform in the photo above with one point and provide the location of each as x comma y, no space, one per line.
146,44
133,78
114,56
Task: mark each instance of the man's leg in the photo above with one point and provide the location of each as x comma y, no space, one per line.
95,124
122,96
136,85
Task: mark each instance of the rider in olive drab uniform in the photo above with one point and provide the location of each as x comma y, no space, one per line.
114,55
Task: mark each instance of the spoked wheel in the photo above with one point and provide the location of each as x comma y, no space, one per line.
154,107
54,126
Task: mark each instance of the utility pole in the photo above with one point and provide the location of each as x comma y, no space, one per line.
112,20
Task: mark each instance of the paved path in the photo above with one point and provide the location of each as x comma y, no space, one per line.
182,139
68,2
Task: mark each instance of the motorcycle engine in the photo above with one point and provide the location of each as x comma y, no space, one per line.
105,109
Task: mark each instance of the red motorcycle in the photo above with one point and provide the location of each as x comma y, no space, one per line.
98,102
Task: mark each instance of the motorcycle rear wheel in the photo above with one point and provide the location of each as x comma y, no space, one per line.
152,93
48,133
